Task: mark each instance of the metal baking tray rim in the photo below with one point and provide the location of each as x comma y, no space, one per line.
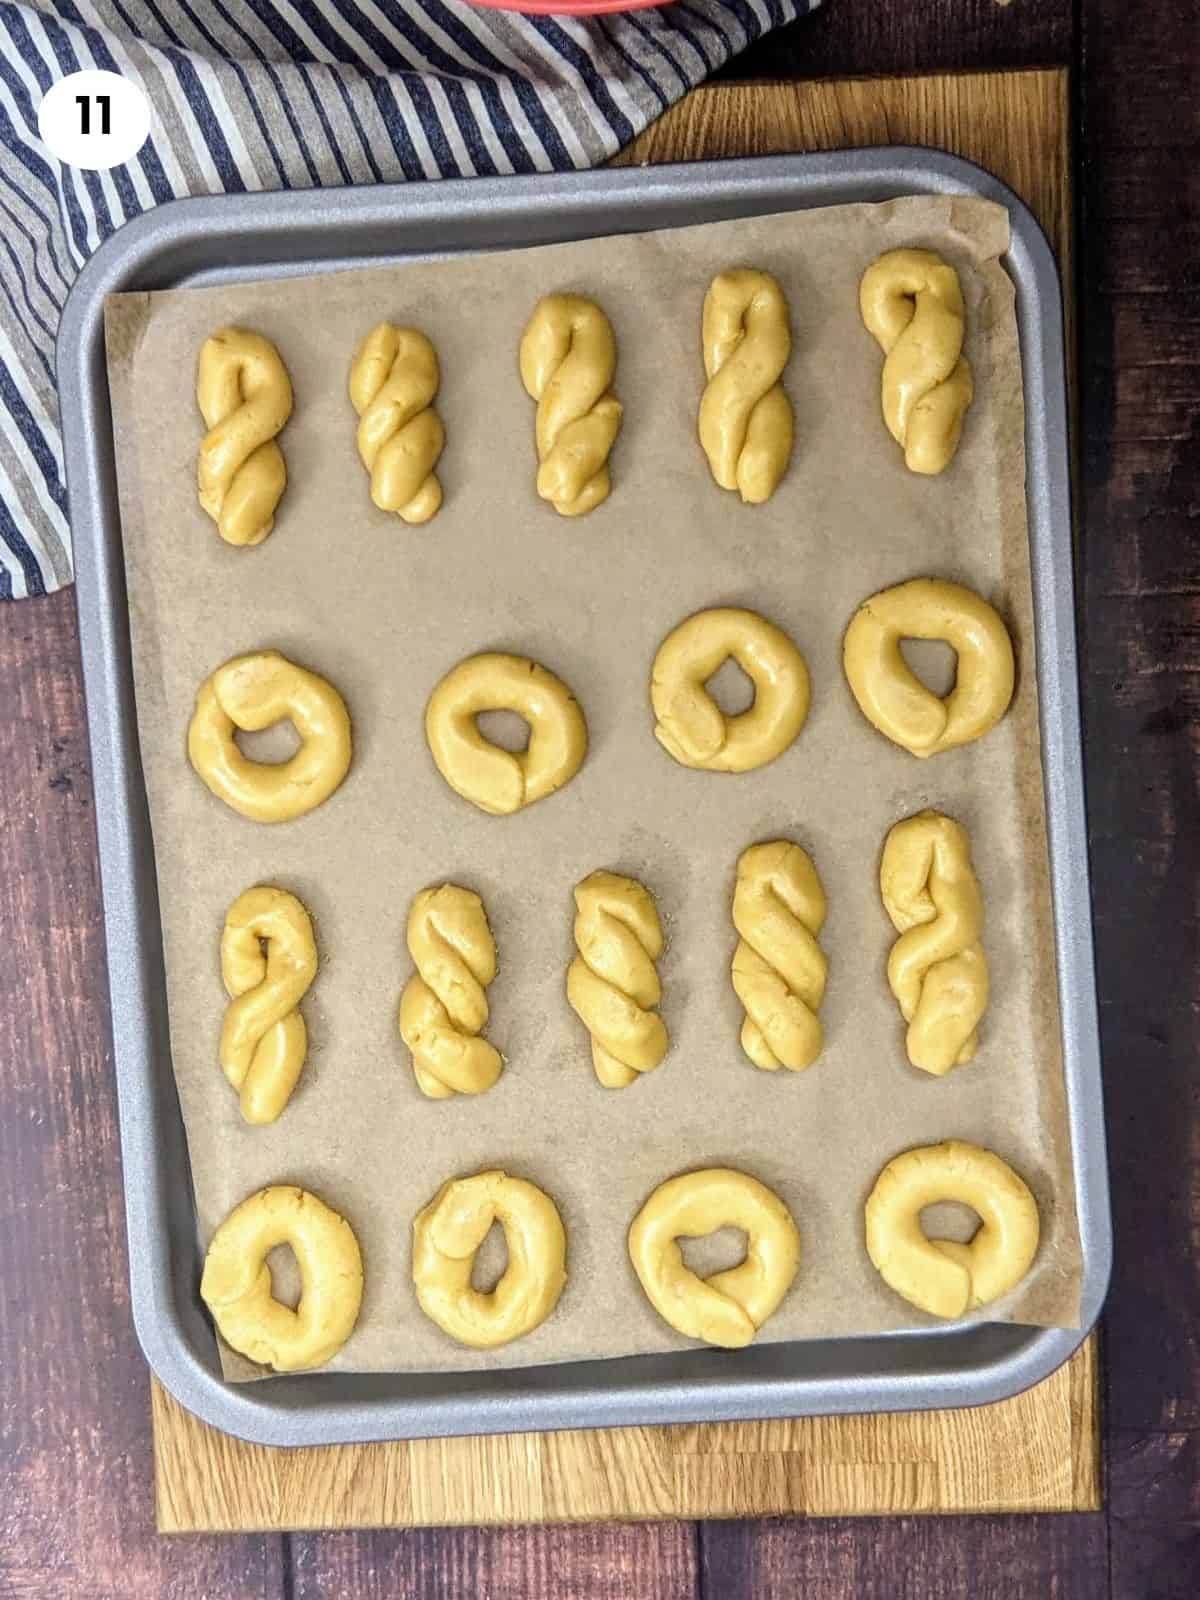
966,1364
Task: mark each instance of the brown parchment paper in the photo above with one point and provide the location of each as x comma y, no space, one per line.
384,610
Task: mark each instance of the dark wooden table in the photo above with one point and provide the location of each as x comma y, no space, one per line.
76,1517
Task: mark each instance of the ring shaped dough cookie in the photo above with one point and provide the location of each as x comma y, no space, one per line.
613,984
692,727
451,1228
495,780
729,1308
245,397
911,301
942,1276
236,1284
263,1038
746,424
779,969
890,694
251,692
568,357
444,1008
393,380
936,969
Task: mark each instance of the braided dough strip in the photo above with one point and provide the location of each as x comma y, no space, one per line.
568,356
911,301
937,969
746,423
263,1037
393,380
779,969
245,397
612,984
444,1008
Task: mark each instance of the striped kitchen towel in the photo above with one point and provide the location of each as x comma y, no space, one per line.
282,94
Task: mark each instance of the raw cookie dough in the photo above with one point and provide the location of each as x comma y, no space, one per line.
263,1037
911,301
568,357
251,692
937,969
245,397
236,1285
444,1008
746,424
691,726
612,984
451,1228
496,780
779,969
889,693
942,1276
393,381
729,1308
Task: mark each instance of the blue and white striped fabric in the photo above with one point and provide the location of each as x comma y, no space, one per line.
282,94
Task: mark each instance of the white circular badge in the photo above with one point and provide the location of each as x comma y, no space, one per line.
94,119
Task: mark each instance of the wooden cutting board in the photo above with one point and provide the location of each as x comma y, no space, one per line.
1039,1452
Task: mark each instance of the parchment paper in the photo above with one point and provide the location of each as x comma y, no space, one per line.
384,610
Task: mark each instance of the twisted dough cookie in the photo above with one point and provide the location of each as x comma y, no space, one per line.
251,692
937,969
911,301
449,1231
236,1284
691,726
263,1037
568,357
889,693
612,984
729,1308
245,397
393,380
779,969
746,424
503,781
444,1007
942,1276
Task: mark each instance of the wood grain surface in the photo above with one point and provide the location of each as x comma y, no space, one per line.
1037,1452
76,1515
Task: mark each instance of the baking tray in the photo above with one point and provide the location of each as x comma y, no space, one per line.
265,235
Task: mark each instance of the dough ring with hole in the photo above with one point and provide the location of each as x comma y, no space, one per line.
236,1284
691,726
890,694
245,397
911,302
496,780
936,969
263,1037
449,1231
251,692
942,1276
729,1308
